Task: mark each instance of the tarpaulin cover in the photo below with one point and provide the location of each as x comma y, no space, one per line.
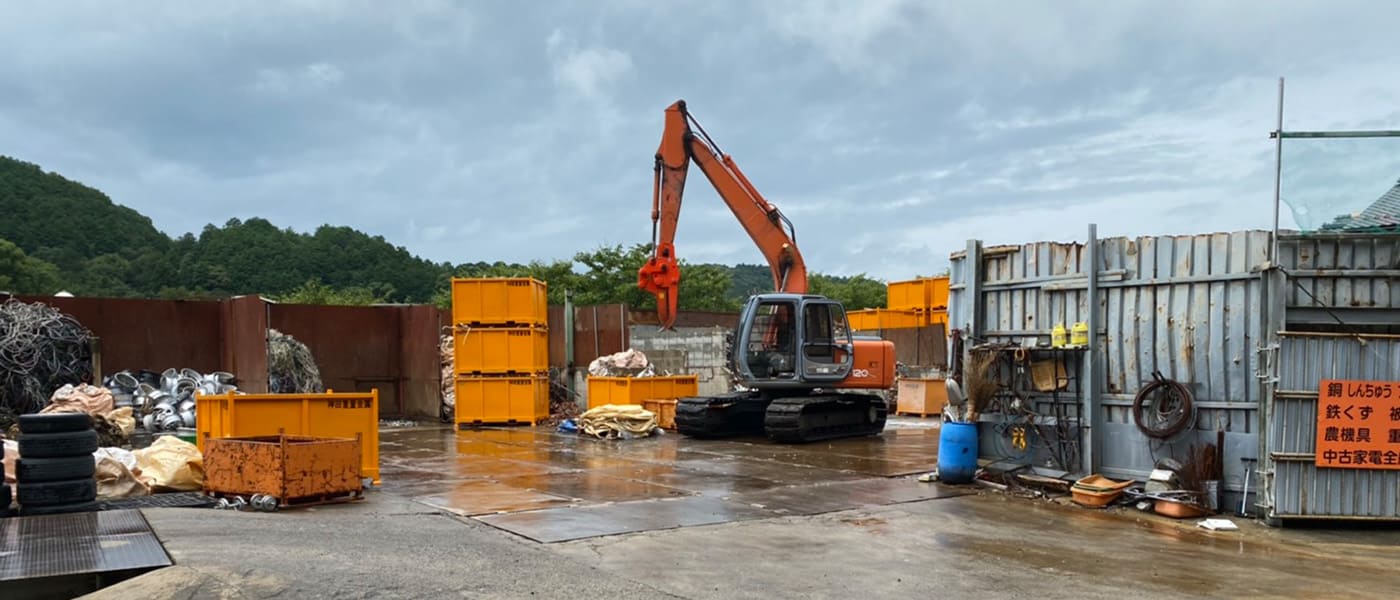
618,421
171,464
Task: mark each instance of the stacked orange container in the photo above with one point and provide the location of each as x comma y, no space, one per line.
500,345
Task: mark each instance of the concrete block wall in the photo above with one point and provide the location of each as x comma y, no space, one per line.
685,351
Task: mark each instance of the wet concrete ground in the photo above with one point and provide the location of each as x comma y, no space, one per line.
553,487
465,514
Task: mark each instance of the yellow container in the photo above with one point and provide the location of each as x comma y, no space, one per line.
876,319
500,301
927,293
907,295
514,350
1058,337
502,400
329,415
1079,335
635,390
665,412
938,294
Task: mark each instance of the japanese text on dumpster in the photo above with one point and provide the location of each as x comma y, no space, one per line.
1358,424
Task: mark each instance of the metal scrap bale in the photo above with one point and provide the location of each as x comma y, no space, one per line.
290,366
41,350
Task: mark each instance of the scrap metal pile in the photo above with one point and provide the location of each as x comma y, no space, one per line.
628,363
166,401
41,350
449,376
290,367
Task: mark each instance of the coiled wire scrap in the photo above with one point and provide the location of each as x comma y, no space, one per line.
41,350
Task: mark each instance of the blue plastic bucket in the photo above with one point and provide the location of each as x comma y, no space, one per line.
957,452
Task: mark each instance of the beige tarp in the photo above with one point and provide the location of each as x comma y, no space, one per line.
617,420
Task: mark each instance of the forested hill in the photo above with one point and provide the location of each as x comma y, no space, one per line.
58,234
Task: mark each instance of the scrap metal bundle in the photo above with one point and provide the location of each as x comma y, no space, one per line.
41,349
165,401
449,390
290,367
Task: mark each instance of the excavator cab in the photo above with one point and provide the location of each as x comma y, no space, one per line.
792,340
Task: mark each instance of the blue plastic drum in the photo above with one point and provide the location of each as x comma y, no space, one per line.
957,452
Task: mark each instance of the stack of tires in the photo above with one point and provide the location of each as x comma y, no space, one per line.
55,469
4,487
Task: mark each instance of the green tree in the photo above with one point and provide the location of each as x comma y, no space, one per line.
314,291
24,274
610,276
854,293
104,275
706,287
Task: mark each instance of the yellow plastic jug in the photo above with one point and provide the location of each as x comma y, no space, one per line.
1080,335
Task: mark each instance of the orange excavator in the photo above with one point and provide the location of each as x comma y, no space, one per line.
804,375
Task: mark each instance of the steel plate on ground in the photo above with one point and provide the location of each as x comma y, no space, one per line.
77,543
564,524
846,495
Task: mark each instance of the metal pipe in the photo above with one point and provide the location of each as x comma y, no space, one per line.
1378,133
569,341
1278,175
1091,437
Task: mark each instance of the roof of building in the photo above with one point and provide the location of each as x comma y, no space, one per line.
1384,213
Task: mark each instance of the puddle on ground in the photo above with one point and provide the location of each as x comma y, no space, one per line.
498,471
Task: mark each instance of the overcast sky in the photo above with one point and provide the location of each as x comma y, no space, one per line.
890,132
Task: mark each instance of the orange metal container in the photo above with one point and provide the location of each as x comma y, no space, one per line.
332,415
876,319
502,400
635,390
293,469
665,412
517,350
500,301
926,293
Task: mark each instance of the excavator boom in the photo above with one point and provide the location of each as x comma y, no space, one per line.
765,224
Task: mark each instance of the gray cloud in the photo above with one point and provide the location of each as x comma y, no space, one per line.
890,131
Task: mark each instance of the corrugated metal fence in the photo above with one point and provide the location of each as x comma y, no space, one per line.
1211,312
1301,489
1181,305
1342,295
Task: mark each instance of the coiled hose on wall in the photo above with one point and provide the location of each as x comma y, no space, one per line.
1163,408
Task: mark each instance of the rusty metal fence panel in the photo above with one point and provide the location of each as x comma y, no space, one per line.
1299,488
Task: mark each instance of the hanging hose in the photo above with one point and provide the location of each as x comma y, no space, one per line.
1163,408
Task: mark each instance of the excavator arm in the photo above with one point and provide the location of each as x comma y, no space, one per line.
765,224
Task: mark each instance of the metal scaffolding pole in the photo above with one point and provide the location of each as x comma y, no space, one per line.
1278,135
1278,175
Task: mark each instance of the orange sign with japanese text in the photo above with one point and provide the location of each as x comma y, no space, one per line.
1358,424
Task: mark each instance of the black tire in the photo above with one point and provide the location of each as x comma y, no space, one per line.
58,445
54,509
37,470
4,497
51,493
54,422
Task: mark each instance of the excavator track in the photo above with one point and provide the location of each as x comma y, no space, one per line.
726,415
796,419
